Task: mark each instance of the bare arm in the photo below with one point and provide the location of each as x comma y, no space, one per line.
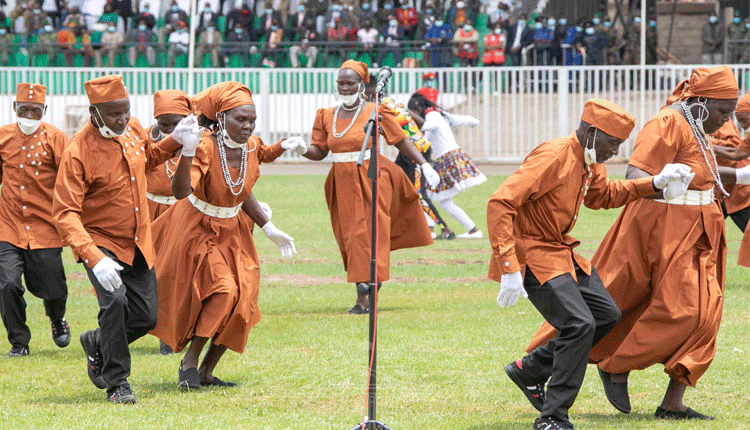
408,149
730,153
314,153
253,210
181,187
635,173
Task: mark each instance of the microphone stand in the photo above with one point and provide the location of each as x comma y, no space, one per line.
373,172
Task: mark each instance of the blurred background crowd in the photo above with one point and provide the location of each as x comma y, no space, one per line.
399,33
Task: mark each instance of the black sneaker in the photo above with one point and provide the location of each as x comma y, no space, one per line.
61,332
94,361
122,395
550,424
18,351
687,414
534,391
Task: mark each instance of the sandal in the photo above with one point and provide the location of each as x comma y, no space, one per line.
188,379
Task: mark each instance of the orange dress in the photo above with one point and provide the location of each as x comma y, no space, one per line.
159,182
739,195
401,223
207,268
664,266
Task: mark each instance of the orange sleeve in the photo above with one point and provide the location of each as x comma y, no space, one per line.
657,145
268,154
727,135
319,133
161,151
59,143
605,193
67,207
392,131
745,144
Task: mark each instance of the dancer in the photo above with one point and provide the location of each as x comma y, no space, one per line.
101,211
663,261
207,266
30,152
340,130
456,169
528,221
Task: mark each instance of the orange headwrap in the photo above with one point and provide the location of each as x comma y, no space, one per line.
359,67
222,97
714,83
172,101
30,93
608,117
105,89
743,105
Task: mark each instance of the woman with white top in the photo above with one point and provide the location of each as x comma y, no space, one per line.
456,169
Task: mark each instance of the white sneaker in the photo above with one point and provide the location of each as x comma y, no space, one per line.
476,235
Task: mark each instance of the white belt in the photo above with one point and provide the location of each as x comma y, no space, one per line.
692,198
214,211
345,157
165,200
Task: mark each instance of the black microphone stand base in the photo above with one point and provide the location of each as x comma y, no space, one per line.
372,425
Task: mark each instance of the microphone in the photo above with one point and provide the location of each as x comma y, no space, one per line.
385,73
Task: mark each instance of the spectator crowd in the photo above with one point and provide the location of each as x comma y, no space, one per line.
430,33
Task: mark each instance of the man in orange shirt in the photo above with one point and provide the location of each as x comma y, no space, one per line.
101,210
529,218
30,153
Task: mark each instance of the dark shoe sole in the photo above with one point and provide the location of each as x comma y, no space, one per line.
17,354
188,379
218,383
622,405
62,341
357,309
687,414
88,346
511,372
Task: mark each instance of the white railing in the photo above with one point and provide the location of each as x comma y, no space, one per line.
518,107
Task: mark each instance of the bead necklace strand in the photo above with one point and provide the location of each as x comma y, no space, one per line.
240,182
170,172
348,127
705,146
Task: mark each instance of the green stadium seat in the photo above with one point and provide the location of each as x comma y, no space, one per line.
481,24
221,23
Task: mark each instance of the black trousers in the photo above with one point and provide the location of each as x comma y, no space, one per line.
125,315
44,276
741,217
583,312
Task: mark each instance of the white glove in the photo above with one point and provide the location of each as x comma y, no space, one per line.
296,144
511,286
188,134
430,175
677,187
670,172
743,175
266,209
106,273
281,239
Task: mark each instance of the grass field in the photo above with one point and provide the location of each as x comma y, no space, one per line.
442,344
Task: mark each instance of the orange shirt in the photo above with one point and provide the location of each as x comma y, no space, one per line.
739,195
100,194
28,168
532,212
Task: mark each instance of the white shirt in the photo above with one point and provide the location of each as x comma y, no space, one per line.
438,131
367,36
179,38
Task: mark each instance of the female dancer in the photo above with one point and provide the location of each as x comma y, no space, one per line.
402,224
207,267
457,171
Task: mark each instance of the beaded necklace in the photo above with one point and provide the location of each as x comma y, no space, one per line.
348,127
170,172
240,182
705,146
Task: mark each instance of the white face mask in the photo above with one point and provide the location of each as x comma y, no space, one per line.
589,154
105,130
350,99
28,126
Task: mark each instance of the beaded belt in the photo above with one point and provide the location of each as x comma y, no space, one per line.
214,211
345,157
692,198
165,200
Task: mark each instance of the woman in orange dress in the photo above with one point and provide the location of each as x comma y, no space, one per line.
207,267
401,223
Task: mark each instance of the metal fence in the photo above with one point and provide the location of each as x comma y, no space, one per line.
518,107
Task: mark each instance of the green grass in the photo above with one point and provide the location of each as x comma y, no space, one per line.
442,344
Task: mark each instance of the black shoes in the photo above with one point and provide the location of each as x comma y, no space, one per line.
94,361
61,332
534,391
616,392
165,349
357,309
18,351
687,414
188,379
549,424
122,395
218,383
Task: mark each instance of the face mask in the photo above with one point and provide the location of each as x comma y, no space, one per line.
431,84
142,27
274,27
713,20
334,7
160,136
301,8
652,23
747,25
404,6
28,126
145,9
637,20
36,11
270,11
590,30
393,23
112,29
563,21
439,23
607,24
589,154
365,6
579,28
105,130
736,20
3,31
238,30
551,23
460,5
387,6
175,8
467,28
350,99
210,29
498,30
538,25
207,10
595,21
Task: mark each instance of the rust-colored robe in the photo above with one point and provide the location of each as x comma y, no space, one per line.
348,194
664,266
160,182
207,268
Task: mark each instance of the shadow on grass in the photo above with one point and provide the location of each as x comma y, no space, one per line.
513,425
73,398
